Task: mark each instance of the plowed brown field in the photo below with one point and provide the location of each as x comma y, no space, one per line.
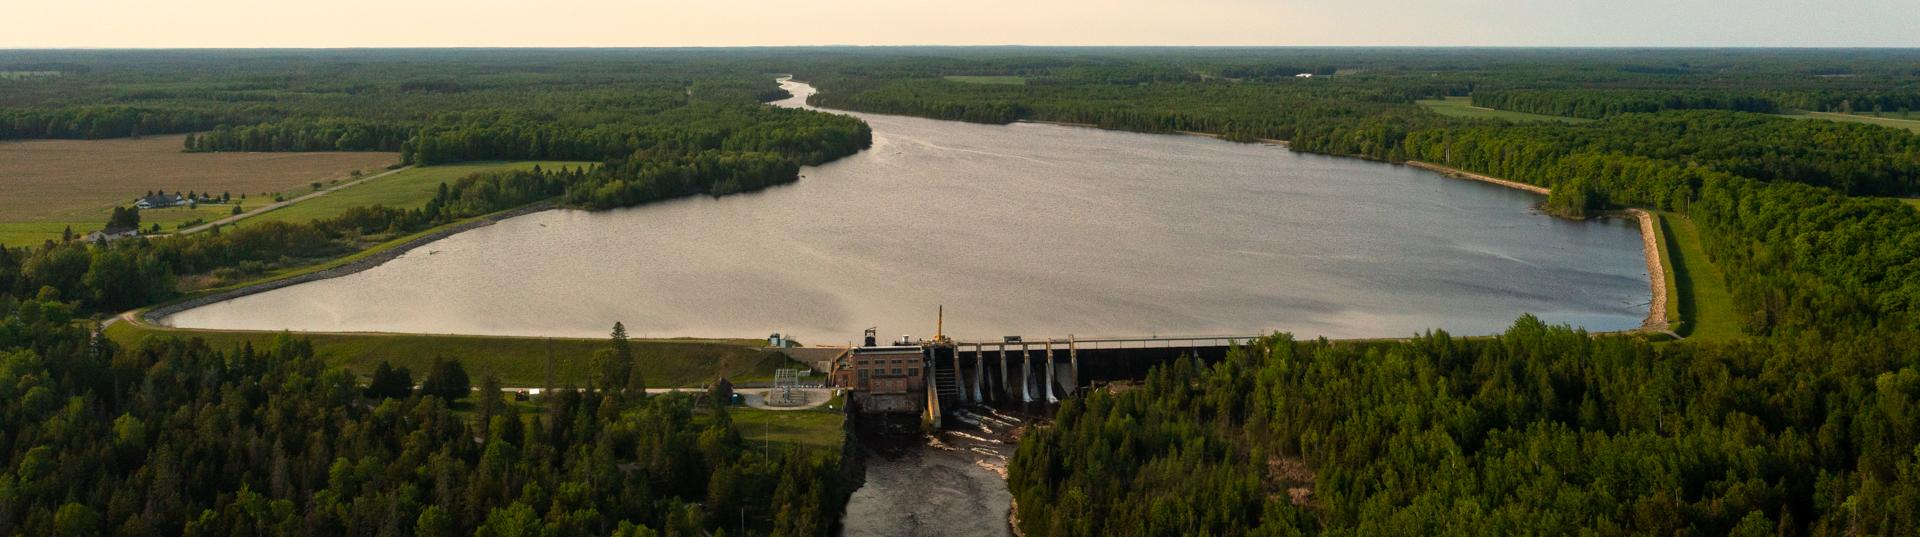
61,180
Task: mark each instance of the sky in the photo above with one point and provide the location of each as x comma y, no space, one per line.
651,23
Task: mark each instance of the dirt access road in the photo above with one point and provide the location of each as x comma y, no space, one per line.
279,204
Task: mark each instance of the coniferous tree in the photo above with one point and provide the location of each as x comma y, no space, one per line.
446,380
390,382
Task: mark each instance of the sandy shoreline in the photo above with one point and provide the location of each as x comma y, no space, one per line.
1656,319
1459,174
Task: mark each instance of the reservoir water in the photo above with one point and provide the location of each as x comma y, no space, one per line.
1041,230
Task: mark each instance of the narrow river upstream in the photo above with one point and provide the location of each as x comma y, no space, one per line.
1040,230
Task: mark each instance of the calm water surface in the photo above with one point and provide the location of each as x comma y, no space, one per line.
1030,229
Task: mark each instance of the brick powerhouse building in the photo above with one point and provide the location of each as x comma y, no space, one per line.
883,379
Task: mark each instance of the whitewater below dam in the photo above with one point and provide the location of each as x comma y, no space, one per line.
1024,229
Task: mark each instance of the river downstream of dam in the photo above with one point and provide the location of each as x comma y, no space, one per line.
1017,229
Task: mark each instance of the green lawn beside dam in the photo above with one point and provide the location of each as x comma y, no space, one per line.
518,361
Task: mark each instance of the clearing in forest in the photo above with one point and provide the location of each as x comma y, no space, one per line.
1000,80
1463,107
52,184
1909,120
1706,305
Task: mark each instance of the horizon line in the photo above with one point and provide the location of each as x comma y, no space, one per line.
1010,45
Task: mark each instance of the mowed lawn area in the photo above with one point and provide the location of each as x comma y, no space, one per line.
407,189
53,184
1706,305
1003,80
820,427
1463,107
1909,121
518,361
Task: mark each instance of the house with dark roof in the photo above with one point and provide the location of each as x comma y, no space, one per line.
160,201
112,234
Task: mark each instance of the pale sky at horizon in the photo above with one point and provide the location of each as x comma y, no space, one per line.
647,23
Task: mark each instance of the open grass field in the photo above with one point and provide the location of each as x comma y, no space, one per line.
1463,107
518,361
1909,121
84,221
76,182
815,427
1004,80
407,189
1705,303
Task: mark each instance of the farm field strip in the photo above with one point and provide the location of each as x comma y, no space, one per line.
77,182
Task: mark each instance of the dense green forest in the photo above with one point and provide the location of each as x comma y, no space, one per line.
177,438
1541,431
438,107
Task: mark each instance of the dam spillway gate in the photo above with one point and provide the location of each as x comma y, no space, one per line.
932,377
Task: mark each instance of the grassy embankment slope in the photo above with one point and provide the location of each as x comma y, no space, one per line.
50,185
518,361
1705,305
406,190
1463,107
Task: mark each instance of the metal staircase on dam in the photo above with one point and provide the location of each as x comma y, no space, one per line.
946,384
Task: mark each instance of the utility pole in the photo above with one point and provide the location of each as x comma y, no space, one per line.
548,389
